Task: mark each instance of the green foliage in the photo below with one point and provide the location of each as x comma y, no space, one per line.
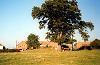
32,41
95,43
62,18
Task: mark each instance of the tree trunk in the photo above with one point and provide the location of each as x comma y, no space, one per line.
72,42
72,46
59,48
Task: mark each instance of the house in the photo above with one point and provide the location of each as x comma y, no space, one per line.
2,47
55,45
44,44
22,46
83,45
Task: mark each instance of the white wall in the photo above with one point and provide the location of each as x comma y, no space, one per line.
1,47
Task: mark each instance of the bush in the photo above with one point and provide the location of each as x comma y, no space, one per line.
10,50
1,50
85,47
95,44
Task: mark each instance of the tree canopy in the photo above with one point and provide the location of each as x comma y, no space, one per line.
62,18
32,41
95,43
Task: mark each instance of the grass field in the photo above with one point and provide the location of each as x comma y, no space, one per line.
48,56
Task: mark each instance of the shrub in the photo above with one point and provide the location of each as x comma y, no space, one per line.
10,50
85,47
95,44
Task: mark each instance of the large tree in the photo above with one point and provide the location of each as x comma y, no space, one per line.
32,41
62,18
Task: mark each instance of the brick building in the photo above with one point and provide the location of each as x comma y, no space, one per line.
22,45
80,44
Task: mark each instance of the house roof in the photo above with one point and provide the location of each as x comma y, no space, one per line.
49,43
22,42
88,43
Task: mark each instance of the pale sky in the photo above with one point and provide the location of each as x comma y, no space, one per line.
16,22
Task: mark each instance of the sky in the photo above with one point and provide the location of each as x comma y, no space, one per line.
16,22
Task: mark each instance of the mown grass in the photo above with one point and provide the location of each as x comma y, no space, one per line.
49,56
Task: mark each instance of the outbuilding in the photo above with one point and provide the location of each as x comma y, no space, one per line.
2,47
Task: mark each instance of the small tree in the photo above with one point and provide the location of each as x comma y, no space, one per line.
32,41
